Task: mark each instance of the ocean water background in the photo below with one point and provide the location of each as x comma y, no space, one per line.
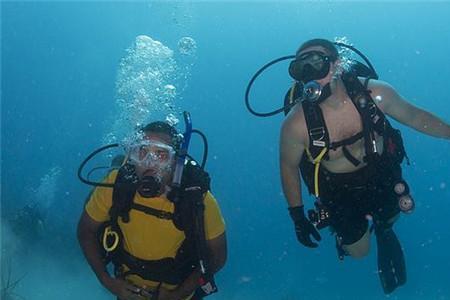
60,64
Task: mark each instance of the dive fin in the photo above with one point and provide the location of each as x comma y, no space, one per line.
391,262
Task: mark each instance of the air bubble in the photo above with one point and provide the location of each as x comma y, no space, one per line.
187,46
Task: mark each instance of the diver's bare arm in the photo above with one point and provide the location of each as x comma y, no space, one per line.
401,110
291,151
217,248
87,237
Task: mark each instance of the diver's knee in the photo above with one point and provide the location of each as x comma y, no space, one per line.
356,252
360,248
360,253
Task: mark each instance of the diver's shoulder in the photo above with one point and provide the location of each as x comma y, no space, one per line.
376,84
111,176
296,115
295,122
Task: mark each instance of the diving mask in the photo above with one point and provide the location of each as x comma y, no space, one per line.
311,65
152,154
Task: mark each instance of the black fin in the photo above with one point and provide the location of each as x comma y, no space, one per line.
391,262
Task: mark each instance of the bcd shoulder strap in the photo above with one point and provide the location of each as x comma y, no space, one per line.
373,119
319,138
125,188
315,123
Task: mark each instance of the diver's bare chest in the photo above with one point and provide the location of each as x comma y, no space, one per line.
342,121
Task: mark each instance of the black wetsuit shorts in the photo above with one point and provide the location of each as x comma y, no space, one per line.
353,198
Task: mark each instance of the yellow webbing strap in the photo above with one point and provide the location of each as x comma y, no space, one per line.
316,162
108,232
309,155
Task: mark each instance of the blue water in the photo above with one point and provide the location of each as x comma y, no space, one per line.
59,68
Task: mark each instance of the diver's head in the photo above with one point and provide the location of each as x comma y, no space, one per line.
153,156
316,59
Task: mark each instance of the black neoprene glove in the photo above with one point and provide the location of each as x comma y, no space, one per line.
195,177
303,227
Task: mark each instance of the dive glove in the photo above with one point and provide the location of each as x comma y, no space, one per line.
303,227
194,183
194,177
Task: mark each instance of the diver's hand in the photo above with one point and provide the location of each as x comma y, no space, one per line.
303,227
122,289
194,183
194,177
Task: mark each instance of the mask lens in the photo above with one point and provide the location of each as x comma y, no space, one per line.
315,59
152,153
309,62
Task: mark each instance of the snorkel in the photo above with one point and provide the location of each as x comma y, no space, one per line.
181,157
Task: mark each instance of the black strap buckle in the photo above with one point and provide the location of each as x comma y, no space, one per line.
317,136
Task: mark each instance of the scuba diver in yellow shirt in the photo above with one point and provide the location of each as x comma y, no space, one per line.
155,220
337,133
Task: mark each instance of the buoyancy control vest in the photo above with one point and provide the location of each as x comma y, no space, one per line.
188,217
373,121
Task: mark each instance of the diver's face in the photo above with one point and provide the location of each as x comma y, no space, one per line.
155,157
324,52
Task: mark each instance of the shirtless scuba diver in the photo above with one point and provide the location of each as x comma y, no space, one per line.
349,156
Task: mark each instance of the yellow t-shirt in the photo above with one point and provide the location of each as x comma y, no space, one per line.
148,237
